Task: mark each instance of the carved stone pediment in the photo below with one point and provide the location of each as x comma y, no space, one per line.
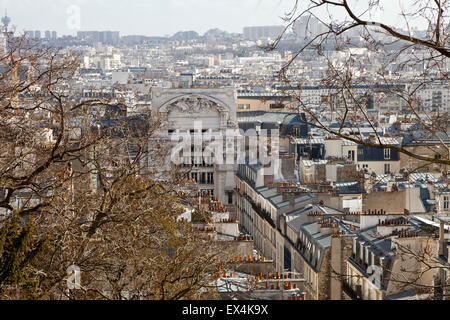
194,103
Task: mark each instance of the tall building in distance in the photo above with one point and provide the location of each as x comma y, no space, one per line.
36,34
6,21
50,35
308,27
3,35
103,37
262,32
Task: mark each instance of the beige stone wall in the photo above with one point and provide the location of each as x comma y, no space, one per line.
263,105
378,166
368,290
410,252
394,202
324,283
318,173
341,250
411,163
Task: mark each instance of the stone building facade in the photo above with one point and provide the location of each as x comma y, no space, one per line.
201,130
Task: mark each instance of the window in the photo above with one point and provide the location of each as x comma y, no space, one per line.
351,155
276,106
210,178
446,203
387,154
243,106
230,198
298,132
387,168
203,177
194,175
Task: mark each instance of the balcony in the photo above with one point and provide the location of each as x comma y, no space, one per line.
262,213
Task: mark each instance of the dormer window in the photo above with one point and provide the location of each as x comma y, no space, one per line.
351,155
446,203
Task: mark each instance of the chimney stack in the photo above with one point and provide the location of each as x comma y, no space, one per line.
441,238
292,201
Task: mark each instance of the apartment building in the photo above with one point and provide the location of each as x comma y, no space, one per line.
291,225
270,102
377,160
199,125
397,259
262,32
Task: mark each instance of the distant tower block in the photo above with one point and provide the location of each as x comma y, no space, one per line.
6,20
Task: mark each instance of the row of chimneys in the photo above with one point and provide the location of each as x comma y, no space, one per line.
375,212
327,221
244,238
295,184
228,220
404,233
328,225
249,258
218,208
216,205
353,213
270,276
295,297
206,229
393,222
337,234
286,286
315,213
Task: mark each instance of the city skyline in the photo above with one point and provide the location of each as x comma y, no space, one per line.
155,18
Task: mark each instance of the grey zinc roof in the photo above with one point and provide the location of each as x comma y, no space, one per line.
348,143
309,163
298,199
298,217
277,199
422,176
308,140
297,223
312,231
267,117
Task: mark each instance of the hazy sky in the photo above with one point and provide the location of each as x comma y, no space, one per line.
146,17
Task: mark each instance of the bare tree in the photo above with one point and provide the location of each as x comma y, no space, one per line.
78,188
367,59
369,62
